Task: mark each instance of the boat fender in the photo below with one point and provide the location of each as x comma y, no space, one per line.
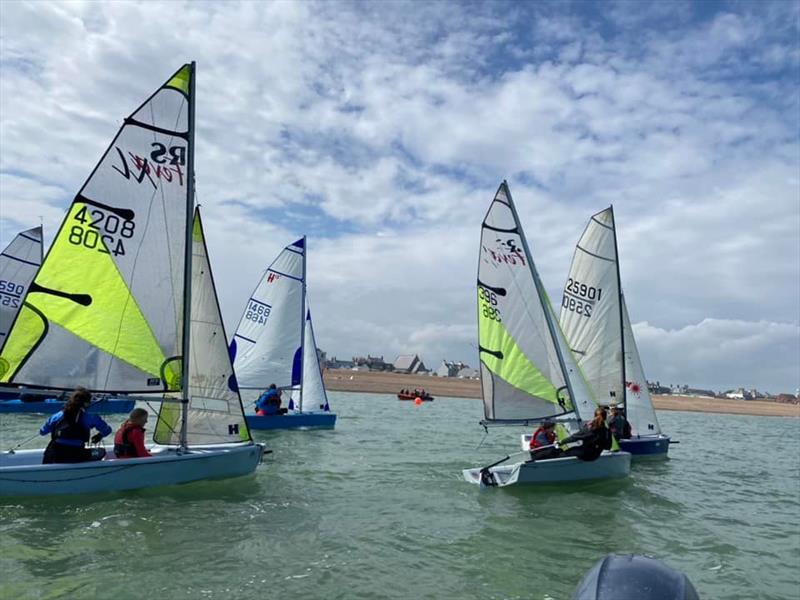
618,576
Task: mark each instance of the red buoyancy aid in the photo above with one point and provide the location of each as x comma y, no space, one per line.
122,447
542,437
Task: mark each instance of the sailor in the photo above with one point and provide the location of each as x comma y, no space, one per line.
544,435
542,440
617,424
269,403
594,437
70,429
129,440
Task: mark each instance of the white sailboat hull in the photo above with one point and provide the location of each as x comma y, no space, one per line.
22,474
515,471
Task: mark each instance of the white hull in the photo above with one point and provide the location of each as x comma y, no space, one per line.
22,474
515,470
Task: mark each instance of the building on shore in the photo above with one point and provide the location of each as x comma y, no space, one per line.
469,373
335,363
658,389
410,364
685,390
450,368
371,363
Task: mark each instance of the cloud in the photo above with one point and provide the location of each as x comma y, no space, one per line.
383,129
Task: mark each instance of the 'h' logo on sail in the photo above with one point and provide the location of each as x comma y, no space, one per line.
272,277
233,429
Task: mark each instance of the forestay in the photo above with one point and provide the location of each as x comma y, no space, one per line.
638,404
215,414
590,311
267,344
527,371
18,265
105,309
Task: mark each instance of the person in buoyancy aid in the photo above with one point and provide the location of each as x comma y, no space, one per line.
618,424
70,429
269,403
129,440
542,440
594,437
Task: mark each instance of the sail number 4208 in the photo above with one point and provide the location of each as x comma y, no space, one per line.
107,240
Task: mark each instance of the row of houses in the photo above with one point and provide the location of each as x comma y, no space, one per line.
410,364
738,394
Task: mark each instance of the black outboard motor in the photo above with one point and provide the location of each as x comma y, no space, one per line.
634,577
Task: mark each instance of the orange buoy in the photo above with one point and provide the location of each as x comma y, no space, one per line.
417,400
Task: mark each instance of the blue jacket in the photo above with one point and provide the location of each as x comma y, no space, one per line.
86,420
268,402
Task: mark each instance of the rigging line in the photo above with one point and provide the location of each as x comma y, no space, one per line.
483,439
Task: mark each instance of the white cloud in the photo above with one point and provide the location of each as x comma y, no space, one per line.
400,119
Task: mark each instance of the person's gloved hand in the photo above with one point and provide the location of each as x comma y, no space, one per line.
96,438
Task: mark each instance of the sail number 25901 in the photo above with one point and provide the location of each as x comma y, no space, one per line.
580,298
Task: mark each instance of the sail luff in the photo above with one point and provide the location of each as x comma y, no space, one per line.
303,321
549,316
187,267
621,321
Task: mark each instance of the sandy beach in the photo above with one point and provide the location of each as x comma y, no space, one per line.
390,383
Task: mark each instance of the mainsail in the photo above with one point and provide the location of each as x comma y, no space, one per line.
215,413
18,265
590,310
595,321
638,404
106,308
527,370
267,345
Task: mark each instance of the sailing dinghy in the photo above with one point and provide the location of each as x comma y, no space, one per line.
528,374
124,294
274,344
594,319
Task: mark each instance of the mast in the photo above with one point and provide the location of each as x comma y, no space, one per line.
545,302
187,267
621,323
303,323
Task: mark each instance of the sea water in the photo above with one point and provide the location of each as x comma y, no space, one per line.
377,508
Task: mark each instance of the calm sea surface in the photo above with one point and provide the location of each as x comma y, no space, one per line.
377,508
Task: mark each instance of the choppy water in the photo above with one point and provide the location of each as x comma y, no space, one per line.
377,509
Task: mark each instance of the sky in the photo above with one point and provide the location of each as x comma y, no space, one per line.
381,130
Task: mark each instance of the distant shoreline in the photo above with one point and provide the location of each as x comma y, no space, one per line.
343,380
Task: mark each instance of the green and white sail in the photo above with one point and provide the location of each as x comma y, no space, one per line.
105,309
639,408
527,370
215,413
590,309
18,265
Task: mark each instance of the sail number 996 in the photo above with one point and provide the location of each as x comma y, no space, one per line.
488,304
